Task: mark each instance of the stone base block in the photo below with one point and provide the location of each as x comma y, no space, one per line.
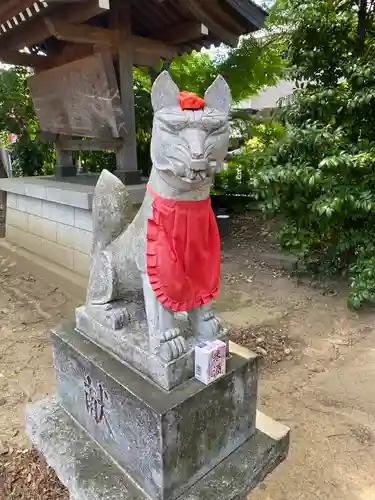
166,441
123,330
90,474
61,171
129,177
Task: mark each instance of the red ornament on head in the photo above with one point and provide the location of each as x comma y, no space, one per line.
190,101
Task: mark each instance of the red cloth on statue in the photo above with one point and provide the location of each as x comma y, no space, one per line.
183,253
190,101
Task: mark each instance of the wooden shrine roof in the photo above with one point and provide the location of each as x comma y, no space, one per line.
68,30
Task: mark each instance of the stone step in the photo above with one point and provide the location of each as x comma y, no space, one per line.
166,441
89,473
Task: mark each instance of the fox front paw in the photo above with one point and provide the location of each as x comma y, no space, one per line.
172,345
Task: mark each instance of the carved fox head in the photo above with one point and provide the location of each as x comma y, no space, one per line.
189,144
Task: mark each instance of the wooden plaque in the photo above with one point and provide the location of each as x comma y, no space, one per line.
79,99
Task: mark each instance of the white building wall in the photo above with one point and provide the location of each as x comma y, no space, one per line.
270,96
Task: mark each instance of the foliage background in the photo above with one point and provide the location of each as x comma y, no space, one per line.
318,176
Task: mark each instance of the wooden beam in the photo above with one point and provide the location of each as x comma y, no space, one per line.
121,21
80,12
81,33
10,9
35,30
86,34
64,163
104,4
184,32
144,51
148,46
74,51
197,8
28,60
43,136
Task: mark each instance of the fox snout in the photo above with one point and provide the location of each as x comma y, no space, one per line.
195,140
199,165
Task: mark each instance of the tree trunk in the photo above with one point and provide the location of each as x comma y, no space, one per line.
361,26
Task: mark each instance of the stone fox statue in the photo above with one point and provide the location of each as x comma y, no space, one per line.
171,249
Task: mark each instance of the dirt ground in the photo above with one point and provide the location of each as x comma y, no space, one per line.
317,378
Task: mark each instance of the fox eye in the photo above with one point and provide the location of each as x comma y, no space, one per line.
178,126
211,124
175,121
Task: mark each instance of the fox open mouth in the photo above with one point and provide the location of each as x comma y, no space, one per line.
192,176
200,174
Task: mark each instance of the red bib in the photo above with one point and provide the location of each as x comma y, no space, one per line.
183,253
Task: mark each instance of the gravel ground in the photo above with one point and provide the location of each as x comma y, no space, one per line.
308,340
25,476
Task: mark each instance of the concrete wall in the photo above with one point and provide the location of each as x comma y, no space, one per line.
53,219
58,232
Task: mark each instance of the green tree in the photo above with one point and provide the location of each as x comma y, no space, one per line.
320,175
16,108
17,116
253,64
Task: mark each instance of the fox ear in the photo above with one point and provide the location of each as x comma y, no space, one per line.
164,93
218,95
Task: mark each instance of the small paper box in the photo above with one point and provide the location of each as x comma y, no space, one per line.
210,361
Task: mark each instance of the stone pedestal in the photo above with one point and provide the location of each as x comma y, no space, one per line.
165,441
112,433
